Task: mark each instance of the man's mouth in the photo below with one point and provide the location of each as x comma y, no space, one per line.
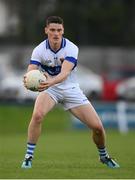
55,38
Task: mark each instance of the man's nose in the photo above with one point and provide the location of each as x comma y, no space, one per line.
56,33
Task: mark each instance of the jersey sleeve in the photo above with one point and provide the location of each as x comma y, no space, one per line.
35,57
72,54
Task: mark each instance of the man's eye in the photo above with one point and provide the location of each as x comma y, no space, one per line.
52,29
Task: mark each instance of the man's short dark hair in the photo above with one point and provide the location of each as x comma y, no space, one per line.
54,19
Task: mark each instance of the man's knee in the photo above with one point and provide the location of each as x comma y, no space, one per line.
98,129
38,117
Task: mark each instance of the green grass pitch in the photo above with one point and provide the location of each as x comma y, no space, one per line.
61,152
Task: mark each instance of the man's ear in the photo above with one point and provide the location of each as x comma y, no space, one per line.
63,31
46,30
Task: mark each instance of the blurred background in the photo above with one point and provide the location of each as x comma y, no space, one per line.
103,30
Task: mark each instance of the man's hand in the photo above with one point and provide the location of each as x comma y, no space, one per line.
30,67
46,84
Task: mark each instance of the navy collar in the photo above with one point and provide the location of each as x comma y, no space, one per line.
63,44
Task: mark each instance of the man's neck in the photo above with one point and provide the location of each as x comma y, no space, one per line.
55,46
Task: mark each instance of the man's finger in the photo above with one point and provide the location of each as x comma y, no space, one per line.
46,75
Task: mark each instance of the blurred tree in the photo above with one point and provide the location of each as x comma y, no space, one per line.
32,16
87,22
28,20
95,22
9,21
129,25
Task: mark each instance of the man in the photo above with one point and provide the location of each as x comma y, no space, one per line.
58,57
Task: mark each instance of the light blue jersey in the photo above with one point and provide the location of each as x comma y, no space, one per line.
51,61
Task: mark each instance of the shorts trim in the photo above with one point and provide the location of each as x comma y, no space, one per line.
52,97
75,105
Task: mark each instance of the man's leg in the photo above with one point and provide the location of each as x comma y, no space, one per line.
44,103
87,114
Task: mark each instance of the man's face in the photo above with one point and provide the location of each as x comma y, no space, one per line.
55,32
